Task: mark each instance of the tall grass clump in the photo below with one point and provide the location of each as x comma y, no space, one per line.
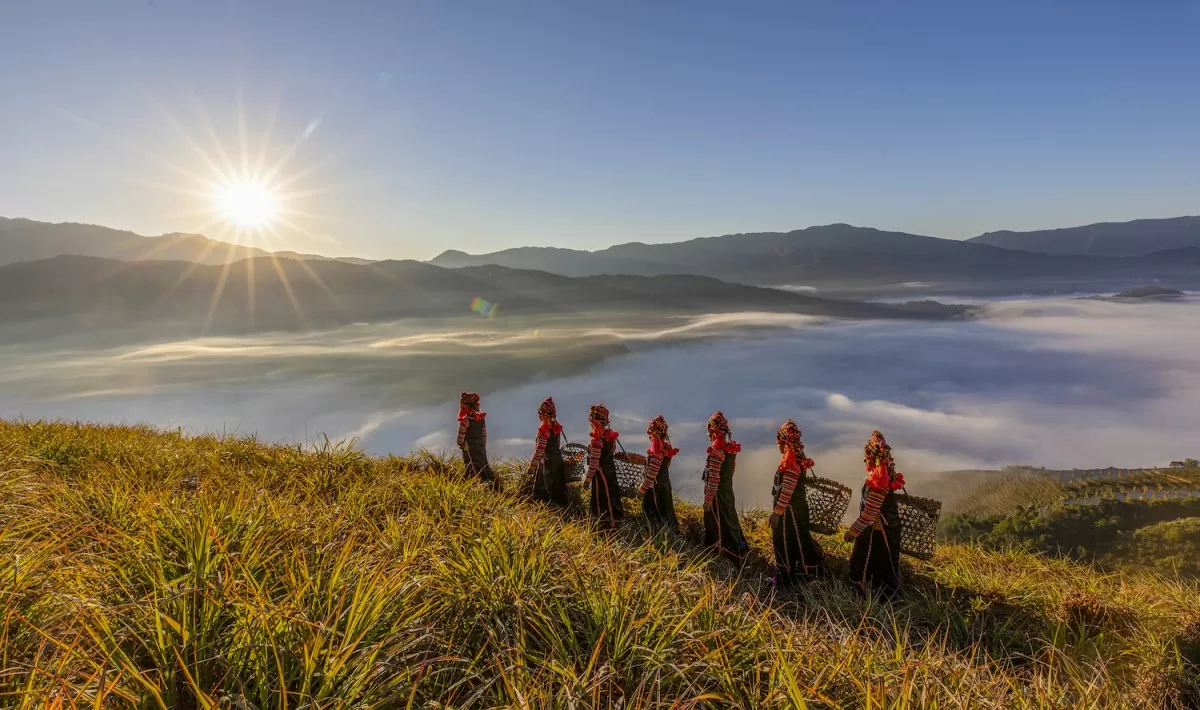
143,568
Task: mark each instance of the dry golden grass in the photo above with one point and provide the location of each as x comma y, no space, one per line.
141,568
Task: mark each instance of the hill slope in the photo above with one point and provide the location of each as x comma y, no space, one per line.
1142,236
1134,520
284,294
28,240
147,568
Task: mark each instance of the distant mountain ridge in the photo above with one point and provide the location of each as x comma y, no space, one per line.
830,256
835,254
1142,236
29,240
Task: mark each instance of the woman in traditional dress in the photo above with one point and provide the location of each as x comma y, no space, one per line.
472,439
797,555
875,562
547,468
602,471
657,503
722,529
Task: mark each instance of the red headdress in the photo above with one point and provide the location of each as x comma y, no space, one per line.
792,448
468,407
719,434
547,412
881,467
660,440
598,416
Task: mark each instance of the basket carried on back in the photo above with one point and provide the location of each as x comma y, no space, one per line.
918,517
827,503
631,468
575,458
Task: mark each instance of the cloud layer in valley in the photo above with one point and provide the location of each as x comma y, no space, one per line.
1058,383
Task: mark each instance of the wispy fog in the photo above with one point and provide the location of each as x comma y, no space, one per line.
1058,383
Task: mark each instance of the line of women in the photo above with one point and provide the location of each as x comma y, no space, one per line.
876,533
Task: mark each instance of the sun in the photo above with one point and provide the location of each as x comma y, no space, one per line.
248,204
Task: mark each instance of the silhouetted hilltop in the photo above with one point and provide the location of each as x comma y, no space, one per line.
1141,236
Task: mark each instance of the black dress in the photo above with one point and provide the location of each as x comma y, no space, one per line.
797,554
475,453
550,476
606,490
875,561
658,504
722,529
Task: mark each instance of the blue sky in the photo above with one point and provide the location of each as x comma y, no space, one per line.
485,125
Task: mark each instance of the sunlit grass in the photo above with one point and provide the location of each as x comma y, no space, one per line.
147,568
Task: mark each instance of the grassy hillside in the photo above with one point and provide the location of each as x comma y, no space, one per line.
1142,520
149,569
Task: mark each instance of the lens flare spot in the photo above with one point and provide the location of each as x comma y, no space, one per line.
484,307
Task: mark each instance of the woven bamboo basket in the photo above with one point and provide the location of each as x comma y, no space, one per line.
631,468
918,517
827,503
575,458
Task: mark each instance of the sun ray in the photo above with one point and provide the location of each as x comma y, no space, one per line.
212,134
250,289
183,134
191,267
241,131
300,174
134,148
283,220
315,276
265,147
287,287
218,290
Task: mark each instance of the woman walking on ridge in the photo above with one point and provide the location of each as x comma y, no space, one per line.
875,562
472,439
797,555
722,529
602,471
547,468
657,502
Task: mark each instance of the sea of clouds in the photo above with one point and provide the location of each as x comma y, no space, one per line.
1059,383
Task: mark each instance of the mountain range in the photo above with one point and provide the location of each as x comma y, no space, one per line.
840,255
838,258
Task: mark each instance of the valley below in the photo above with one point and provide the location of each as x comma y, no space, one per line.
1059,382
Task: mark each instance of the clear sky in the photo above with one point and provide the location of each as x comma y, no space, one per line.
421,126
